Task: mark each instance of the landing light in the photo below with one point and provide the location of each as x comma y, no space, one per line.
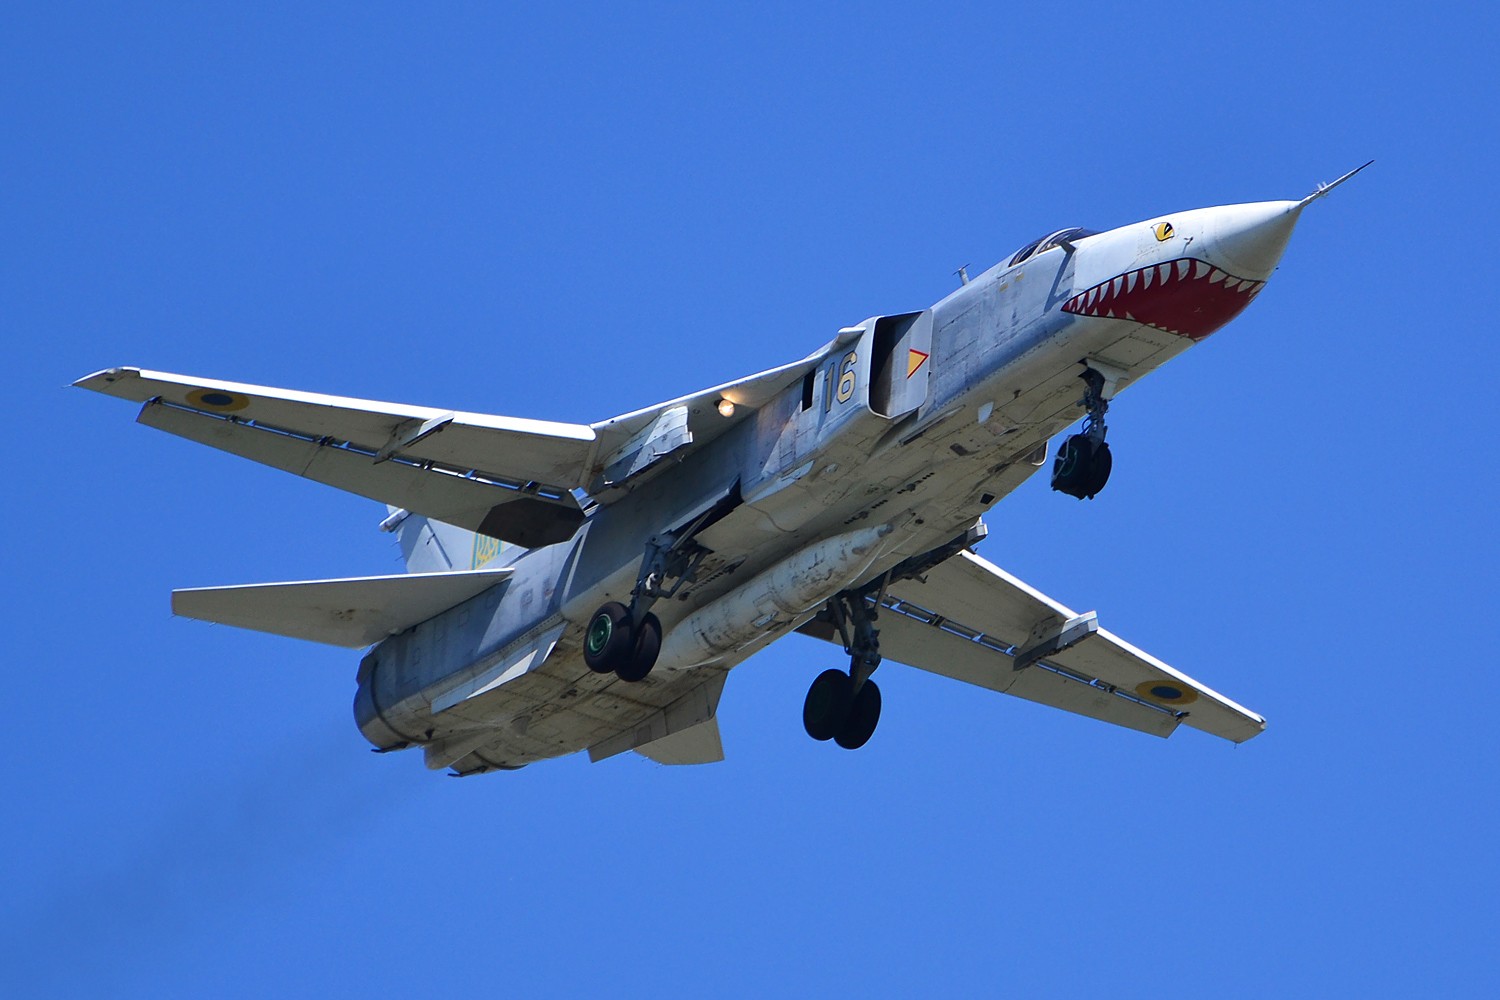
726,408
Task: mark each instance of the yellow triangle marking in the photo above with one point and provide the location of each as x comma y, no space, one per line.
914,359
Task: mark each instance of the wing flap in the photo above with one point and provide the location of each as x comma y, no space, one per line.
353,612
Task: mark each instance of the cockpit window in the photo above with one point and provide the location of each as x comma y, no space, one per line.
1048,242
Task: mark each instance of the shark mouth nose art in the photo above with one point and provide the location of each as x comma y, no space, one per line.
1187,297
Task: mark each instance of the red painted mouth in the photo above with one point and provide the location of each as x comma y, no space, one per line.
1188,297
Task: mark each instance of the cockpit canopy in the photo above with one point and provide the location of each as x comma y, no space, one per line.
1048,242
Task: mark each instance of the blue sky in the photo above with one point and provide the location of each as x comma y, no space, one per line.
569,214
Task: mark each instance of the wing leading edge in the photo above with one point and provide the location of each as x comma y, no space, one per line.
972,621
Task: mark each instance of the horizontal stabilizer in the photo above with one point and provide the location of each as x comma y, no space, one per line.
351,612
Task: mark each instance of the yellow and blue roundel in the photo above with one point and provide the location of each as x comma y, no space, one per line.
217,400
1165,692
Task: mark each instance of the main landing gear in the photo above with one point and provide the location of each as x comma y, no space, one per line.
1083,461
625,641
614,643
845,707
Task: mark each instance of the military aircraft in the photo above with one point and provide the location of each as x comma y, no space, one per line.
590,586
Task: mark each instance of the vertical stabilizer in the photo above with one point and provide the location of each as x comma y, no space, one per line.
429,546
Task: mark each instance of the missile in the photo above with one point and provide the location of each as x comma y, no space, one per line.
772,601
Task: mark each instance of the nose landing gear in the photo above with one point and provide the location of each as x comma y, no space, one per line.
845,707
1083,461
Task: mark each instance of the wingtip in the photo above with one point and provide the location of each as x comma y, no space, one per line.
100,381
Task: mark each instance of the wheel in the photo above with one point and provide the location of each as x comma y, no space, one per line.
1099,468
606,643
827,705
1072,461
864,716
1082,467
643,652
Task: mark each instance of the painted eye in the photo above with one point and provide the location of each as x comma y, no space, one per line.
1163,231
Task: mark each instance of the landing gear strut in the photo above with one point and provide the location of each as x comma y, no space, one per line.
845,707
1083,461
624,640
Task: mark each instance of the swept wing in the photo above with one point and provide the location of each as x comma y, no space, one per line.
970,620
506,477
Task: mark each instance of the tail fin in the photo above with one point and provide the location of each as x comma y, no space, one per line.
429,546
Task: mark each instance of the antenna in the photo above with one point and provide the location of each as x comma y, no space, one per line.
963,275
1325,188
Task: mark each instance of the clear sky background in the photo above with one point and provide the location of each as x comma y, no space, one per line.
571,213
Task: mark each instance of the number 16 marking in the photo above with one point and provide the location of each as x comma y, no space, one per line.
846,381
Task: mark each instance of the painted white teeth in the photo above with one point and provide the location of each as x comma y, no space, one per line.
1093,294
1163,272
1130,281
1146,275
1129,317
1116,289
1199,269
1182,268
1216,277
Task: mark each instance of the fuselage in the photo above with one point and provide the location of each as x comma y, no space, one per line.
904,435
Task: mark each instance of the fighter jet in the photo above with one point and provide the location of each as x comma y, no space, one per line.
578,587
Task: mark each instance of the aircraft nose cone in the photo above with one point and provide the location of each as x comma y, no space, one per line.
1193,272
1248,240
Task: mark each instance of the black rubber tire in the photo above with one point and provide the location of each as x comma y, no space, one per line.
1082,467
644,652
864,716
826,708
1099,468
1070,471
607,641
